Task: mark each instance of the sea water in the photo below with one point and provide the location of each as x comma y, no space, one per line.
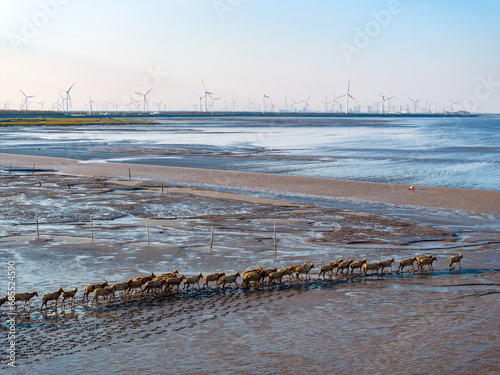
461,152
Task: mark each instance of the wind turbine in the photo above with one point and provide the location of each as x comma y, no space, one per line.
213,103
347,96
307,103
388,108
293,104
234,104
42,107
145,99
251,105
326,102
113,104
199,97
90,103
335,102
453,104
26,97
134,102
205,94
263,100
384,101
415,103
68,98
434,106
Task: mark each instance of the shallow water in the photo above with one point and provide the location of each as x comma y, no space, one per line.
451,152
430,322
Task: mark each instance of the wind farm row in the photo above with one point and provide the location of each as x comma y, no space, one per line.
209,102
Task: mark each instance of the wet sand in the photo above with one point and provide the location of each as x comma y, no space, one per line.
437,321
484,201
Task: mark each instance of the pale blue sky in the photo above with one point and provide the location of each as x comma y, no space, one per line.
428,49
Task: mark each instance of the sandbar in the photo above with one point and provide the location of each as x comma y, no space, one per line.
468,200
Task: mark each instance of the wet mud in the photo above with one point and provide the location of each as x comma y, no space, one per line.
441,321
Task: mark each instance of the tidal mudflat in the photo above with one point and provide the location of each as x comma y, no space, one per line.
437,321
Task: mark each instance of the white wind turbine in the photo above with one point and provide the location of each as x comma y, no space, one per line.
234,104
293,104
25,101
90,103
453,103
388,107
145,99
134,102
213,103
434,107
42,107
306,108
335,102
251,105
200,98
326,102
384,101
68,98
113,105
347,96
415,104
263,100
205,94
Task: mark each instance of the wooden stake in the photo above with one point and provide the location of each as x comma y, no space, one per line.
147,229
275,238
129,174
212,238
33,169
10,168
91,229
161,187
37,230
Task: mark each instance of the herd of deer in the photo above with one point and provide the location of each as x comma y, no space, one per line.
166,282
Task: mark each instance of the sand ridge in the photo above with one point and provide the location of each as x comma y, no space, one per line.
470,200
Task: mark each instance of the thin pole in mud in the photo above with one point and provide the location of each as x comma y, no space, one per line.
147,229
33,169
91,229
10,168
275,238
212,238
37,230
161,186
129,175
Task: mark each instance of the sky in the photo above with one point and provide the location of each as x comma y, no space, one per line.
115,49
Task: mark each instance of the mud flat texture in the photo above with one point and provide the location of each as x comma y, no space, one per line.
484,201
440,322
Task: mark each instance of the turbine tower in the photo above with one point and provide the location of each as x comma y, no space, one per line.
388,108
347,96
26,97
68,98
453,105
90,103
384,101
415,104
145,99
205,94
200,98
307,103
263,100
326,102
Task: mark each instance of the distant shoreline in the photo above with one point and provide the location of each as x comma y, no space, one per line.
9,118
468,200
